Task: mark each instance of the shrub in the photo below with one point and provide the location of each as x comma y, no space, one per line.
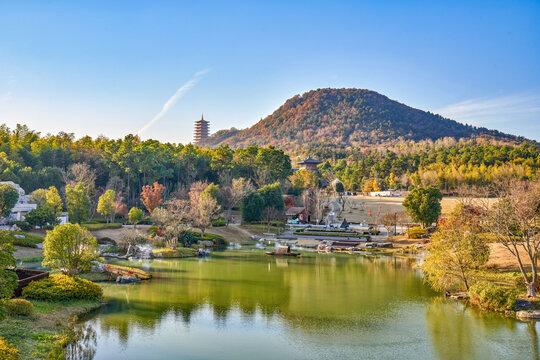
492,296
62,287
7,351
219,222
218,240
416,232
101,226
19,307
23,225
180,252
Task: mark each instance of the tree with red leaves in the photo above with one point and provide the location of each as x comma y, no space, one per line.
152,196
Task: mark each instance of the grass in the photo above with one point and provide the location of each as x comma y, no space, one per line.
180,252
35,336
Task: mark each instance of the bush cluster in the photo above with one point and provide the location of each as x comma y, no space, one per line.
7,351
19,307
219,222
492,296
180,252
416,232
62,287
218,240
101,226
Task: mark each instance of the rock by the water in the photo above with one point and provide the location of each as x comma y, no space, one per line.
522,304
528,314
127,279
144,253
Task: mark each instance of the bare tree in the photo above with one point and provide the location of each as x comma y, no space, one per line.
270,214
234,193
307,200
389,221
81,172
320,202
204,212
513,220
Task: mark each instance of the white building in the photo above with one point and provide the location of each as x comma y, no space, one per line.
22,207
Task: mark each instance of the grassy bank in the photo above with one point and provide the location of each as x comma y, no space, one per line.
45,331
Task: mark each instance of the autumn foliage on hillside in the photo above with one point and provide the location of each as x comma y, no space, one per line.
344,118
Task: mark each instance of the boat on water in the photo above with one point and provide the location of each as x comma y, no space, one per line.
282,251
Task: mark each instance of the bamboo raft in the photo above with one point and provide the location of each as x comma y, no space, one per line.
127,271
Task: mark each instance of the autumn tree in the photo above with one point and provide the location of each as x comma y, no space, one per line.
106,205
234,193
513,221
456,250
8,198
78,203
39,196
69,248
152,196
423,205
204,212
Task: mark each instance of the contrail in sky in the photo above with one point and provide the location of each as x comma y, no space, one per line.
173,99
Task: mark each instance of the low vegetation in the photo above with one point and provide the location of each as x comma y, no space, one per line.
179,252
62,287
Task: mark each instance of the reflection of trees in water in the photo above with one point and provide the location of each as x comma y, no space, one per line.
531,327
85,345
312,294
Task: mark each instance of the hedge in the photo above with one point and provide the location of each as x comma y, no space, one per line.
180,252
101,226
29,240
416,232
62,287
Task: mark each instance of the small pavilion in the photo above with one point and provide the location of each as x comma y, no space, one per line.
309,164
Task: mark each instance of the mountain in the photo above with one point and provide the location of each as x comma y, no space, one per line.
343,118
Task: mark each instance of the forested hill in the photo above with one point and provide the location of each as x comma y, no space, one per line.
342,118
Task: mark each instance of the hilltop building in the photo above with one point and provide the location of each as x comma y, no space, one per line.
202,130
309,164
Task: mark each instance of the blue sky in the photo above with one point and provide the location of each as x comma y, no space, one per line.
103,67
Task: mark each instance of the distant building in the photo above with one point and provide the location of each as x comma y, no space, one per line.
202,130
309,164
22,207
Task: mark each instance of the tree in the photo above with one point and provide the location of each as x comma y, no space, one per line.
54,199
39,196
339,187
270,214
8,198
69,248
252,207
389,221
135,216
8,278
106,205
456,251
272,196
423,205
513,220
213,191
320,203
204,212
42,216
152,196
235,193
78,203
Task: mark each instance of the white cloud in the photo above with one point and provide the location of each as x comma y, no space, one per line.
173,99
486,111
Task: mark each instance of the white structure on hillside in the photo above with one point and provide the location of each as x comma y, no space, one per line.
22,207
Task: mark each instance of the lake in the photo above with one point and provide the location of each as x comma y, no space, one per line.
242,304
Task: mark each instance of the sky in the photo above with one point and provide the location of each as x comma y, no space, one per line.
153,67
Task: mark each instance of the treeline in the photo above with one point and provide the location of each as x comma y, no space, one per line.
127,164
446,167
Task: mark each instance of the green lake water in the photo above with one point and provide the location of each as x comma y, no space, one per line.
243,304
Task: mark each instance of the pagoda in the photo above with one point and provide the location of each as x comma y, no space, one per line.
202,130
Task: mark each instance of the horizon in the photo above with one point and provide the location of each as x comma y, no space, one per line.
115,69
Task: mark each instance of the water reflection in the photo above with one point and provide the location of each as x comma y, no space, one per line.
318,306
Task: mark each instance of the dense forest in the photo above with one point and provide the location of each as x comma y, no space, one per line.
126,165
346,119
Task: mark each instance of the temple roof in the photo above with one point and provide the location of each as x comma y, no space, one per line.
309,160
